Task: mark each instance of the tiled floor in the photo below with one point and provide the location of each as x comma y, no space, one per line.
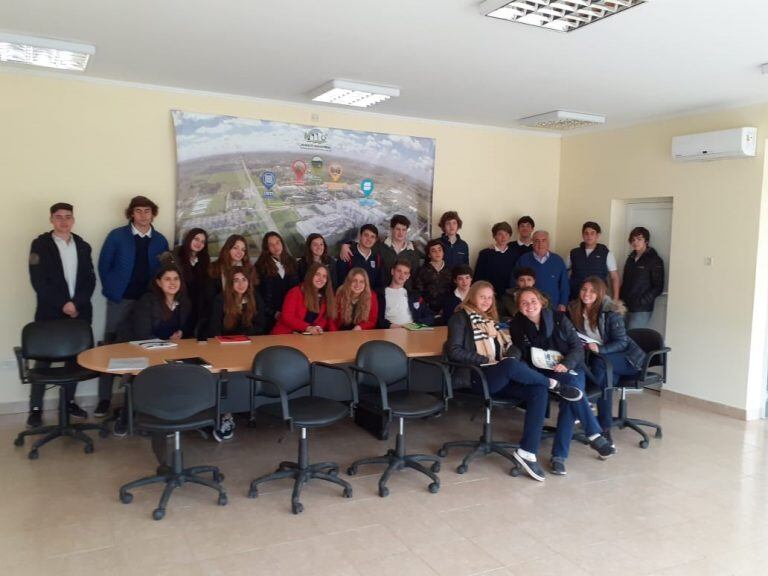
694,503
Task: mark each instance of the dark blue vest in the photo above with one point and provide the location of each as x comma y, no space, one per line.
583,266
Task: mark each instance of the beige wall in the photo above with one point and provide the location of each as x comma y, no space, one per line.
96,145
716,314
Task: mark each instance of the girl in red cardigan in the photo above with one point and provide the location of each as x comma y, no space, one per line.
308,307
356,306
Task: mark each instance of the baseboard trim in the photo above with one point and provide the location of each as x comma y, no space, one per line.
706,405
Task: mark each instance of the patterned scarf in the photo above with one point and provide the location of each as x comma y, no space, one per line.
484,331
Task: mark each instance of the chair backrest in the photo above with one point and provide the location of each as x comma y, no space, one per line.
174,391
55,340
649,340
385,359
282,364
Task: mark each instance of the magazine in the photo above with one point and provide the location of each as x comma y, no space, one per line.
545,359
154,344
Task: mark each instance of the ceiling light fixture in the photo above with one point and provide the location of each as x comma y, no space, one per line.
45,52
559,15
356,94
562,120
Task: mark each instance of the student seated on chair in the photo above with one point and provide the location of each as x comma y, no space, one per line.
474,338
602,319
433,280
61,271
310,307
316,250
357,307
278,273
399,306
362,256
461,279
536,326
523,278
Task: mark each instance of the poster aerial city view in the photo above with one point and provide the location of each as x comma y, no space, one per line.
241,176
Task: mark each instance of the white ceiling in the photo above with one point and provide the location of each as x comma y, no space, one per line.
662,58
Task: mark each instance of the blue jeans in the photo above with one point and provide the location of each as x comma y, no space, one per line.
514,379
621,367
569,412
638,319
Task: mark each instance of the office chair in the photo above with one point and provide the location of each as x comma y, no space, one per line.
173,398
486,444
656,352
51,341
280,372
380,365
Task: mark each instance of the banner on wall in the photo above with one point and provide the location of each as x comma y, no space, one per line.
242,176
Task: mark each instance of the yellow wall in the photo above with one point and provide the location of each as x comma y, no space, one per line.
716,315
98,144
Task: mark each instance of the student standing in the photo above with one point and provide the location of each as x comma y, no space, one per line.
316,250
128,259
433,280
525,227
277,274
192,258
591,258
456,250
357,308
363,256
61,272
496,264
643,279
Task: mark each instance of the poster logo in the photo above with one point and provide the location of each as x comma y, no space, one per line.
269,179
299,168
335,171
366,187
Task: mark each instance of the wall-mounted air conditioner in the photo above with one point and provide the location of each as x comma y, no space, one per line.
733,143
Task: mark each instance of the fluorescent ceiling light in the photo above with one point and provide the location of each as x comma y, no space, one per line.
353,93
559,15
562,120
44,52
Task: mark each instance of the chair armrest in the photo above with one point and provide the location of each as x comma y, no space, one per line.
382,386
282,395
22,364
478,372
608,372
350,379
128,403
447,386
652,354
221,377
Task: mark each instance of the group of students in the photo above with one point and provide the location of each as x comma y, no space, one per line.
155,292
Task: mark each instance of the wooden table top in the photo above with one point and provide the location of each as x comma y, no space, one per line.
331,347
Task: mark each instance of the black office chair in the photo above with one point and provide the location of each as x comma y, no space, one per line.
280,372
379,366
656,352
47,342
173,398
486,444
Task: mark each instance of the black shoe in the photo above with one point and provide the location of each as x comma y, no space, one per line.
226,429
75,411
35,418
120,429
102,409
607,436
531,468
569,393
557,466
603,447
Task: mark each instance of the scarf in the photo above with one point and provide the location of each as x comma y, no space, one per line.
484,332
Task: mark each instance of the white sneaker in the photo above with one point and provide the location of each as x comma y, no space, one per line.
226,429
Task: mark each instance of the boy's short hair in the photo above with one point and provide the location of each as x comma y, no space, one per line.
501,226
525,272
140,202
640,231
370,228
399,219
61,206
433,242
526,220
593,225
461,270
450,215
402,262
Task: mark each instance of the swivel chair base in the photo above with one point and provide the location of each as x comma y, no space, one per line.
482,447
623,421
63,428
397,459
175,478
302,472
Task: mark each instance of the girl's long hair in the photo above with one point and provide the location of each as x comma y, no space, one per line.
576,308
224,264
309,257
313,299
184,251
468,303
235,312
344,299
265,264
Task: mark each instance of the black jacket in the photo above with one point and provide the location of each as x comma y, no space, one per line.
273,290
558,332
643,281
47,275
147,314
216,322
610,324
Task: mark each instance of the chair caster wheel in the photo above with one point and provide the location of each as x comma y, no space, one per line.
33,455
158,514
436,467
88,449
333,471
351,471
297,507
461,469
643,444
18,441
103,433
434,488
253,493
126,497
442,452
223,500
514,472
347,493
218,477
383,491
658,434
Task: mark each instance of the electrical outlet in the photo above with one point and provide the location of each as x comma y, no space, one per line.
709,261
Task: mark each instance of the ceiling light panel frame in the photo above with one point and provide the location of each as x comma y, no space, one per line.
357,94
45,52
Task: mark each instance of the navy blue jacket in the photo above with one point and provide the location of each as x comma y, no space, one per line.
556,333
373,265
497,267
455,254
420,312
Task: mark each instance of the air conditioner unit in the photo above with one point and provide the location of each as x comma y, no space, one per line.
733,143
